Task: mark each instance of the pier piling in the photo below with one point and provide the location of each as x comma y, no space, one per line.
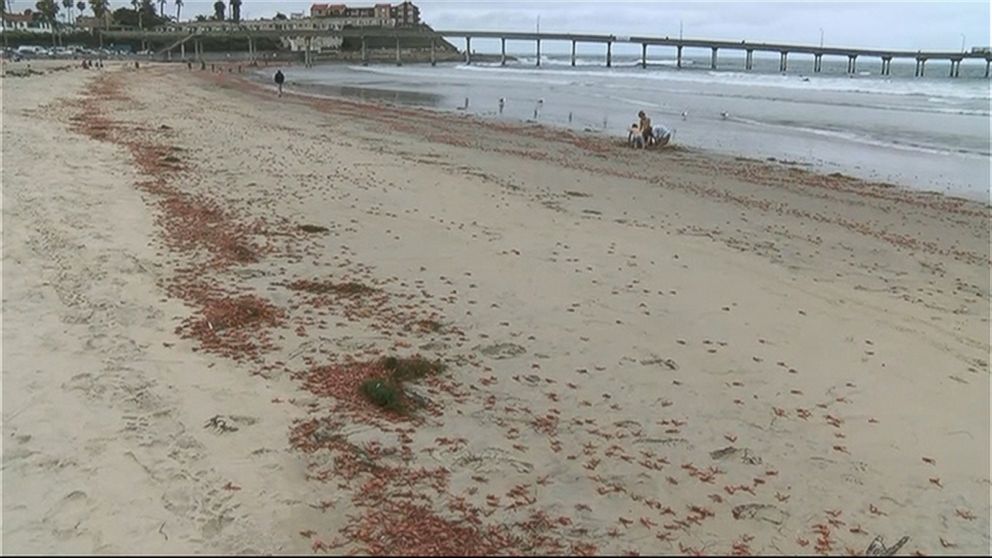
987,64
468,50
609,54
713,59
539,52
644,55
783,62
573,53
817,63
502,51
678,57
749,59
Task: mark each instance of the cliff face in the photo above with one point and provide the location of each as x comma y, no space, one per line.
374,43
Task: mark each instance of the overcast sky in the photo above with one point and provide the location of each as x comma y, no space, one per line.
892,25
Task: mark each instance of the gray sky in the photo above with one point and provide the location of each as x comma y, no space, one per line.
893,25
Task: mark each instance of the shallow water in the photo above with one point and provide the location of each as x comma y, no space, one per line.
925,133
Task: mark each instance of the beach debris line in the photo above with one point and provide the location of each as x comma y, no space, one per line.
388,494
233,326
379,384
347,289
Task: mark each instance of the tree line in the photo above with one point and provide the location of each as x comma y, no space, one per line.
140,14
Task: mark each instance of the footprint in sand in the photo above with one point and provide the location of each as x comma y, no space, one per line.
500,351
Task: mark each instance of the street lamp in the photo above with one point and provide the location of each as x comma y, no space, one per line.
821,37
962,42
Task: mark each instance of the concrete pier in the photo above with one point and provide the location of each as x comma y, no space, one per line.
248,29
955,68
886,65
713,59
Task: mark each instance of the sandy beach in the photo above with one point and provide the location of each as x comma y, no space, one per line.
643,352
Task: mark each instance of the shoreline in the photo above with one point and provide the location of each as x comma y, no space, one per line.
319,92
838,141
700,354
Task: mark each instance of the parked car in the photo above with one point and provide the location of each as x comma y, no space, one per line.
31,50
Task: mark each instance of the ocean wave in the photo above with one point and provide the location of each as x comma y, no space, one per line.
866,84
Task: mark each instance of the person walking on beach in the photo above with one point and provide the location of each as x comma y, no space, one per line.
280,79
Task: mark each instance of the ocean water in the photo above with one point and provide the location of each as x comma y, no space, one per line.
930,133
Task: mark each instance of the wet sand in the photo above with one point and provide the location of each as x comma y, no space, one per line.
644,352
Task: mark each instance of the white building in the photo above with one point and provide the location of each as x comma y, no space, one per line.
28,21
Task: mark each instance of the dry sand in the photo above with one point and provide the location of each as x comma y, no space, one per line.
668,352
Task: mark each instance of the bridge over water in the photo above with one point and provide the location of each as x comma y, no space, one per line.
253,30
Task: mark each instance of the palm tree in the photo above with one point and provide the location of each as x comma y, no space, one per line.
235,10
219,10
179,8
100,9
4,10
49,11
136,4
68,4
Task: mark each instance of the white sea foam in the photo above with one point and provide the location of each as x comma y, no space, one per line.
864,83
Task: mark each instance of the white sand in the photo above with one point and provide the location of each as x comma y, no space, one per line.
695,303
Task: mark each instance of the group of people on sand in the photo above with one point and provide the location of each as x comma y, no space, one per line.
643,134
